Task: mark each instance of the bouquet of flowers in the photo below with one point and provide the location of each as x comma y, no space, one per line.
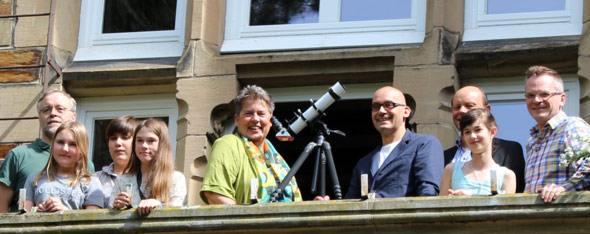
570,157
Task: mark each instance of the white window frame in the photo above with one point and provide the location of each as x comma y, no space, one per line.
94,45
139,106
328,33
481,26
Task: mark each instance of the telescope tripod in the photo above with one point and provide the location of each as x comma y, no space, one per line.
323,152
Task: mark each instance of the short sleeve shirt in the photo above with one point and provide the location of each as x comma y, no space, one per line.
74,198
229,170
107,178
23,161
20,163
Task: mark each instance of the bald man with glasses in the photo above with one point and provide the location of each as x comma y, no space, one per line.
405,164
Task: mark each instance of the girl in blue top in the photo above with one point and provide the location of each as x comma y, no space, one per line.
478,128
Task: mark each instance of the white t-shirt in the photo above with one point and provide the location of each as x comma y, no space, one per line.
386,151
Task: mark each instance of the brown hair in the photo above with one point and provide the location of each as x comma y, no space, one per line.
125,124
478,114
162,168
81,173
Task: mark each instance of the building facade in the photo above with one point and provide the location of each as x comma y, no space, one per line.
184,61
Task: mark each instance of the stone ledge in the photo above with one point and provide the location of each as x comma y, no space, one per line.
522,212
317,72
503,58
121,77
116,69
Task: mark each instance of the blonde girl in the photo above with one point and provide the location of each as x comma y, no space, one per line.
478,128
151,172
65,183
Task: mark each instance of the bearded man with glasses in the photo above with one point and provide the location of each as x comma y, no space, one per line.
553,134
405,164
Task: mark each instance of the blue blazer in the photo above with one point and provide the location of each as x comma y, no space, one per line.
414,168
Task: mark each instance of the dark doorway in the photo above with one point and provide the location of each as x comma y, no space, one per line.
353,117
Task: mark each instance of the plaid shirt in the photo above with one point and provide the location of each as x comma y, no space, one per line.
543,150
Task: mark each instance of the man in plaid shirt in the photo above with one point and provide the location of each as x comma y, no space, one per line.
553,133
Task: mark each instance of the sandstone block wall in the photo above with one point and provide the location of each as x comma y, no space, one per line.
22,43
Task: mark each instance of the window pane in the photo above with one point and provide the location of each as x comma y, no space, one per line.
268,12
521,6
138,15
514,121
354,10
100,154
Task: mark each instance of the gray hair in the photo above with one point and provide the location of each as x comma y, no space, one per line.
48,92
253,92
534,71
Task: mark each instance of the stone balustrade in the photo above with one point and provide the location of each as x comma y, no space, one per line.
520,213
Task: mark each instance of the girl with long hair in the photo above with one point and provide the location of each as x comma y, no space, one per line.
65,183
119,135
152,178
478,128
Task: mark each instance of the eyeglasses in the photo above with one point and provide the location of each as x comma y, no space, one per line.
59,109
387,105
542,95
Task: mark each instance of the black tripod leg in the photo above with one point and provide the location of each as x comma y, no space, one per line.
316,169
323,174
279,190
335,183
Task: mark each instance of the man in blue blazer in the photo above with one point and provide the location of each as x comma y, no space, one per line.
405,164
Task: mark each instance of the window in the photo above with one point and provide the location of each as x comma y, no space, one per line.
96,113
114,29
506,96
505,19
263,25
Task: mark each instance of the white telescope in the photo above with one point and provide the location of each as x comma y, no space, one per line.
317,108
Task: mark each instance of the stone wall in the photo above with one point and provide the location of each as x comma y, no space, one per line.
584,65
520,213
22,43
